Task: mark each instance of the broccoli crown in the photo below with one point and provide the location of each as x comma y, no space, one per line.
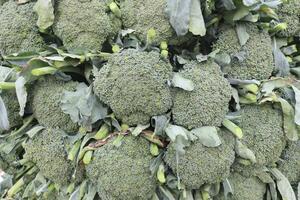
2,2
263,132
208,103
290,163
290,14
258,61
12,107
144,15
123,172
246,188
18,28
84,24
47,151
134,85
47,94
200,165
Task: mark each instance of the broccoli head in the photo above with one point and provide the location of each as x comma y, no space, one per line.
123,172
246,188
47,150
2,2
208,103
134,85
18,28
254,60
290,14
84,25
47,94
289,165
144,15
200,165
263,132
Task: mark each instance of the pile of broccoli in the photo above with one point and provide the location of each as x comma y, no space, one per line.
254,60
123,172
134,85
18,30
109,99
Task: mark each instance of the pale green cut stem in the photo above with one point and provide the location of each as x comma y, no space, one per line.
43,71
7,85
233,128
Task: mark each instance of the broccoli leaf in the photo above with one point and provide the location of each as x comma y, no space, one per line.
160,123
167,194
240,13
21,93
179,81
282,66
272,84
242,34
283,185
244,152
207,135
6,182
227,188
228,4
179,15
4,123
297,106
45,11
173,131
83,106
139,128
32,132
197,24
249,2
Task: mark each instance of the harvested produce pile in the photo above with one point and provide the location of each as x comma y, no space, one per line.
150,100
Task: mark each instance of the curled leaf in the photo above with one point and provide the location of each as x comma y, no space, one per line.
197,24
45,11
207,135
242,34
21,94
244,152
179,81
4,123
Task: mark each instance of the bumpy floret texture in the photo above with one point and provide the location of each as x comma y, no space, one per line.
134,85
290,14
246,188
123,173
263,132
12,107
47,94
144,15
208,103
18,28
200,165
257,62
84,25
290,163
47,150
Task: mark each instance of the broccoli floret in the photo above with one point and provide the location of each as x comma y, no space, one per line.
290,163
18,28
10,100
263,132
47,150
2,2
134,85
144,15
254,60
207,104
84,25
47,94
246,188
123,172
200,165
290,14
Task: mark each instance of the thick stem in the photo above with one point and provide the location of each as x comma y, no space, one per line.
233,128
7,85
43,71
115,9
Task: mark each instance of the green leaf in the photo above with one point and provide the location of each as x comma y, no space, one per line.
4,123
160,123
282,66
297,105
272,84
83,106
250,2
197,24
21,94
207,135
6,182
174,131
45,11
228,4
227,188
118,141
241,12
179,15
242,33
244,152
32,132
179,81
168,195
139,128
160,174
283,185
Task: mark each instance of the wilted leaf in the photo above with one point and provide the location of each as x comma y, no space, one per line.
283,185
241,12
297,105
197,24
236,98
238,81
207,135
21,94
168,195
179,81
179,15
4,123
139,128
269,85
244,152
160,123
227,188
83,106
45,11
6,182
250,2
282,66
32,132
242,33
173,131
